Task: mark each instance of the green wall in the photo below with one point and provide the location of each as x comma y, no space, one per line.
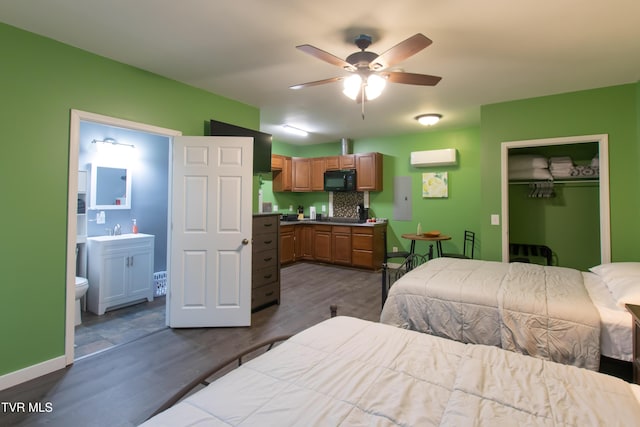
41,81
611,110
451,216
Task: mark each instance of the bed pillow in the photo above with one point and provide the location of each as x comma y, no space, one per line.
622,279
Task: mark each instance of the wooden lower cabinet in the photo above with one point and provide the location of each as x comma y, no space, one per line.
265,261
322,243
368,247
287,244
341,245
354,246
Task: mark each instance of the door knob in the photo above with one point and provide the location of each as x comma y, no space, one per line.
245,242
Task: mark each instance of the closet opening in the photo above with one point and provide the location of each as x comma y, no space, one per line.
555,194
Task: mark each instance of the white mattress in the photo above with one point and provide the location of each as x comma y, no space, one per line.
615,331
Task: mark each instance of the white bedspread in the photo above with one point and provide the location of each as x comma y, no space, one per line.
346,372
616,339
536,310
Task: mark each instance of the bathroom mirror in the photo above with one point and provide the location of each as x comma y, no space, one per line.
110,187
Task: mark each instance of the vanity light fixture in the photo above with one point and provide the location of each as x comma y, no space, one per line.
112,142
428,119
295,130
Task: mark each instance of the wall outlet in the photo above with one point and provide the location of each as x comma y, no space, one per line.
495,219
324,208
100,218
395,249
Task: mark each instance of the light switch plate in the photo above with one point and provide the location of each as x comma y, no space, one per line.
495,219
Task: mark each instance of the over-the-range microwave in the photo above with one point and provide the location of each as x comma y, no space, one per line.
340,180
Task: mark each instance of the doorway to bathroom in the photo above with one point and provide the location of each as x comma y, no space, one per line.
141,155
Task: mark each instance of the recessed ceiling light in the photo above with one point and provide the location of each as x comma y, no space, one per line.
428,119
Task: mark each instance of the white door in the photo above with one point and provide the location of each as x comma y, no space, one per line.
210,265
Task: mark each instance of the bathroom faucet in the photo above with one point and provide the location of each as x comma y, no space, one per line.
116,230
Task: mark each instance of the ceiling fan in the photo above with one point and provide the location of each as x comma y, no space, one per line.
370,70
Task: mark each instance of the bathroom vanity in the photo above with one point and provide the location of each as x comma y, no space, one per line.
120,270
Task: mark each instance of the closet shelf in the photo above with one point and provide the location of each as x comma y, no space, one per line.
577,181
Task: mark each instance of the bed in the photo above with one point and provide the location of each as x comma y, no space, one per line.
554,313
346,371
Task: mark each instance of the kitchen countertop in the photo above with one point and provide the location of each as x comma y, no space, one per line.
332,222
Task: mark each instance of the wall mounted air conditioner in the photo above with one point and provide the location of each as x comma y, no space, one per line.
443,157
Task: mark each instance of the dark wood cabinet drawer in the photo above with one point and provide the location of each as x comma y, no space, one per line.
265,242
265,224
264,259
265,295
264,276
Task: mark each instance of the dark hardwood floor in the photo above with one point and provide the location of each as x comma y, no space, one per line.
121,386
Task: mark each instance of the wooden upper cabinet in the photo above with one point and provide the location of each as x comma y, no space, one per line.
282,176
345,161
332,163
348,161
368,171
277,161
301,167
318,167
302,174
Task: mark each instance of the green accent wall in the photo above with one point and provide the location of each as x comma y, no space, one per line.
41,80
610,110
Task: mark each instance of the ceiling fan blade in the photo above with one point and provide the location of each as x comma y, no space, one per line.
401,51
325,56
316,83
411,78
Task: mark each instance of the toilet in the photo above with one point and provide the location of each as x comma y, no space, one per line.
82,285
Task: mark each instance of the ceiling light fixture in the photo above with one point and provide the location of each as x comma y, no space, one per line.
295,130
371,86
428,119
112,142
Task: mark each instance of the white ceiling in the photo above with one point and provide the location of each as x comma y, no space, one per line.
486,52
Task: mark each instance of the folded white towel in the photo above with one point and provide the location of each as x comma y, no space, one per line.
537,173
595,162
527,162
560,160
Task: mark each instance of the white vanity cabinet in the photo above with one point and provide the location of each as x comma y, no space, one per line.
120,270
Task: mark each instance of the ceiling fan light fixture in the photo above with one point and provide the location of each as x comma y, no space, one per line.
428,119
374,86
352,85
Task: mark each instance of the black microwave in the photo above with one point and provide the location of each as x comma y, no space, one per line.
340,180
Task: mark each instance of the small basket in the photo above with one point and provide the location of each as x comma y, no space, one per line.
159,283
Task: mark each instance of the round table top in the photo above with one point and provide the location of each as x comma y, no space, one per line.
413,236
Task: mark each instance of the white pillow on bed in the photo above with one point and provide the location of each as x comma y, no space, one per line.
622,280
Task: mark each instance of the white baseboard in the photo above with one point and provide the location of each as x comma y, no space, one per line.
31,372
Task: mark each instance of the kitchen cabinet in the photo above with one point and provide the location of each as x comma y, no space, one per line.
120,270
304,174
287,244
281,167
265,261
304,242
318,167
345,161
367,245
369,171
341,245
301,174
322,243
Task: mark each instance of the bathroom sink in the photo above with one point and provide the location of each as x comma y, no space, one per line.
119,237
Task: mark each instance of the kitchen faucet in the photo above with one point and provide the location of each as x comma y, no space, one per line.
116,230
